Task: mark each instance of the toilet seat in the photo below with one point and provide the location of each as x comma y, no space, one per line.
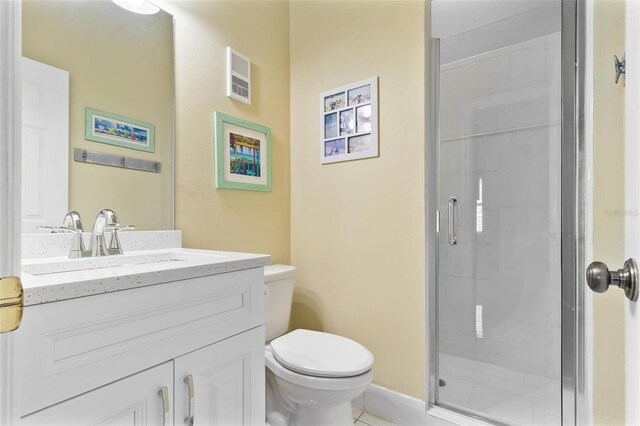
318,354
314,382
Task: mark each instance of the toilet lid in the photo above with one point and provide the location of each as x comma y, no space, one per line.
321,354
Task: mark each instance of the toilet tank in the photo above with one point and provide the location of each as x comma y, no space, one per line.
279,282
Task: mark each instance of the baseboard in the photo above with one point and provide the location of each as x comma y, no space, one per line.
402,409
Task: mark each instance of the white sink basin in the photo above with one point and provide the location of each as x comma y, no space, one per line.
48,276
159,259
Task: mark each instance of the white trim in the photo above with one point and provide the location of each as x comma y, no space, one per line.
395,407
10,133
632,204
10,165
405,410
453,417
396,397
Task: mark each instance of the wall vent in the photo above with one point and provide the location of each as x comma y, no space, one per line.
238,76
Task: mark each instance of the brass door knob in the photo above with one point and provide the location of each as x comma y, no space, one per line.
599,278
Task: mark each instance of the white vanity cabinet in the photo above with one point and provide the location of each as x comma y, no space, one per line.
102,359
134,401
222,384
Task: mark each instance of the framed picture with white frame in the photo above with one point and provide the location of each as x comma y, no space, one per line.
349,122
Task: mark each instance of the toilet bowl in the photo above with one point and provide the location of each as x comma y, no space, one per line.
311,376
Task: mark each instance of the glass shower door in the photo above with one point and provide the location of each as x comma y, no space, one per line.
499,245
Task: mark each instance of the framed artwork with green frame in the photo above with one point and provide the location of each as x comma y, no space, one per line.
113,129
242,154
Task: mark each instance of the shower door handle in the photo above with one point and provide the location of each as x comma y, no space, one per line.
453,221
599,278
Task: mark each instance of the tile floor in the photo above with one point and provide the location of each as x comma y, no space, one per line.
361,418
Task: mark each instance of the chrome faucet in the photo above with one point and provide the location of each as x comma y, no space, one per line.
106,220
71,223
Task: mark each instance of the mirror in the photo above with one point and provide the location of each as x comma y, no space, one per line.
120,64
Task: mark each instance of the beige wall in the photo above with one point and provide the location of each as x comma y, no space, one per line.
608,319
124,66
357,231
225,219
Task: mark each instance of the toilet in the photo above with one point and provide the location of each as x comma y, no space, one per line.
311,377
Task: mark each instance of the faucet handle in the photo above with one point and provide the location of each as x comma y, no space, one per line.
56,229
70,223
119,227
114,246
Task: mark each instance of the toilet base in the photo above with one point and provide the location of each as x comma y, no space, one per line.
337,415
281,411
294,399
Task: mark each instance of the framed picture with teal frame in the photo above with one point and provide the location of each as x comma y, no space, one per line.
113,129
242,154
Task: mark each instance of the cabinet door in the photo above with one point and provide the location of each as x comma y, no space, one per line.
136,400
228,382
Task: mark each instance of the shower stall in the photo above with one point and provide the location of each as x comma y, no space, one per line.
503,179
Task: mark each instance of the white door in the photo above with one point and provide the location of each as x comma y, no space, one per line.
136,401
632,206
45,145
228,389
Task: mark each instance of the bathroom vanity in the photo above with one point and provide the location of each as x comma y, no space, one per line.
158,336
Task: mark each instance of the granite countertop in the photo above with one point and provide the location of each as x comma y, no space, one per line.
53,279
